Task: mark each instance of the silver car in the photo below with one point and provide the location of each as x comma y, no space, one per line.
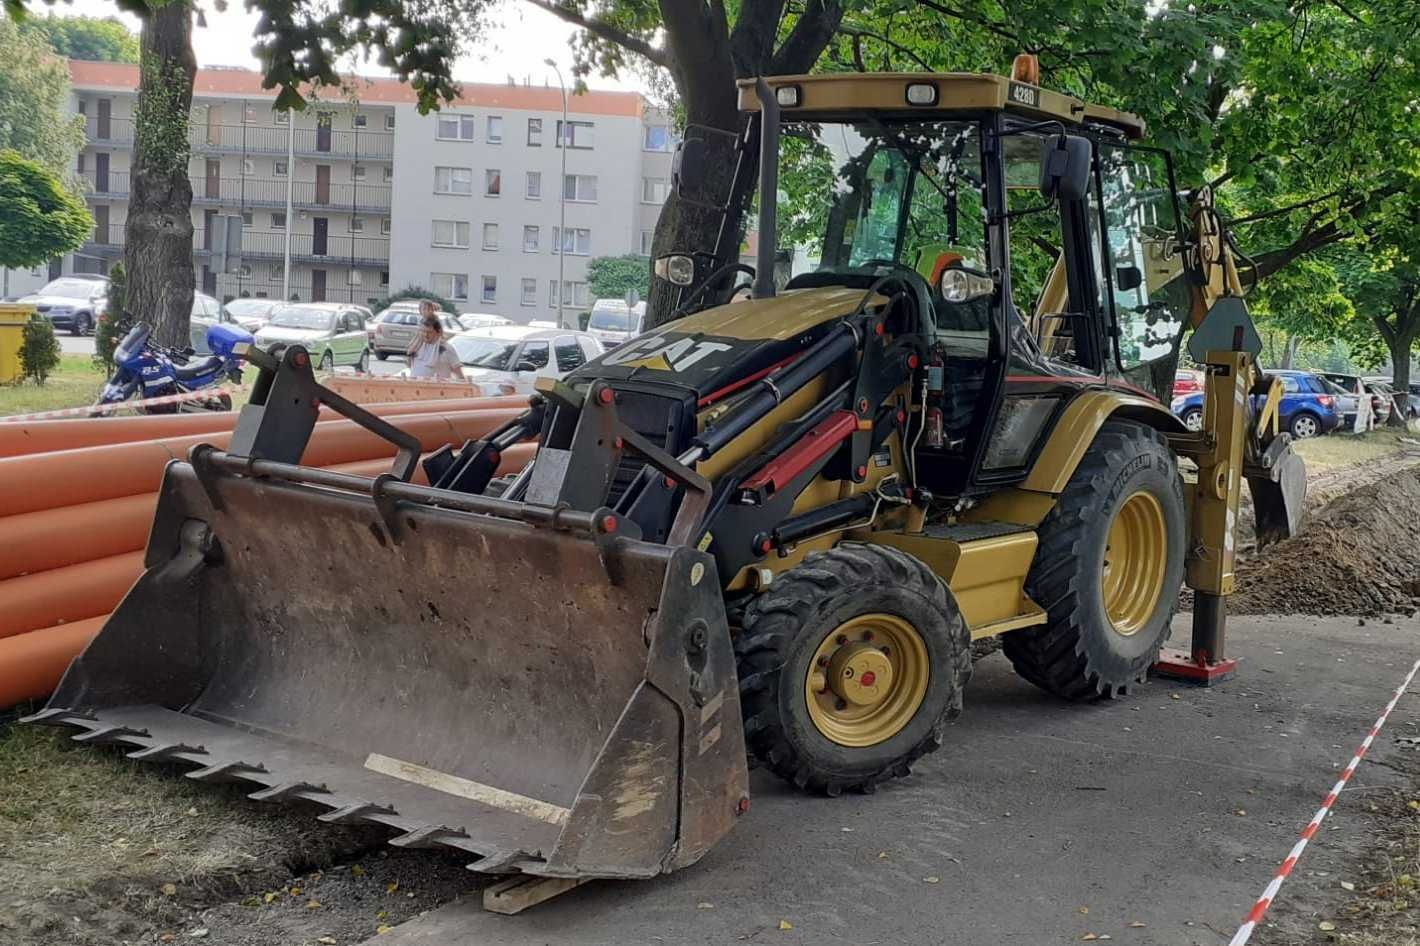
392,331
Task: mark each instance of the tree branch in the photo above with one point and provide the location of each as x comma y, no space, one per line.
816,25
858,33
604,30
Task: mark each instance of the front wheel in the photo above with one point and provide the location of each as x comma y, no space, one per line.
382,355
363,365
850,666
1193,419
1107,569
327,361
1304,426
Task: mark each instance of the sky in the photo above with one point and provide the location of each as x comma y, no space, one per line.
523,38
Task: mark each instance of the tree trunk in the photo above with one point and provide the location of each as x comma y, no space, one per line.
1399,345
1289,352
157,250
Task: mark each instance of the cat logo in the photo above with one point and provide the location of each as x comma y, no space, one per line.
651,354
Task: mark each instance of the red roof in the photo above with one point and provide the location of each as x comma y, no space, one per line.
382,91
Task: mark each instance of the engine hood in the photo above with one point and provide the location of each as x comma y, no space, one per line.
277,333
716,347
56,302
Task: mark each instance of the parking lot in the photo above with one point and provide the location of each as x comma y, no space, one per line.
85,346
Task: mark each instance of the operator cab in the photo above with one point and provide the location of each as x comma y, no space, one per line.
1042,245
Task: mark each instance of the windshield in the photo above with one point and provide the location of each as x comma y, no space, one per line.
900,193
612,320
72,288
483,352
249,307
303,317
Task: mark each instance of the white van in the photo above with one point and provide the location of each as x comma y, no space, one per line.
613,321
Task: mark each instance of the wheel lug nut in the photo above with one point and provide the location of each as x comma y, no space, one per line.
886,651
842,639
867,635
848,672
823,661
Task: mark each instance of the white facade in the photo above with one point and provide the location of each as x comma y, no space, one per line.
464,201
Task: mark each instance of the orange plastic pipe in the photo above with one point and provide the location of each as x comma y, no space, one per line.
71,593
44,436
52,538
72,477
32,664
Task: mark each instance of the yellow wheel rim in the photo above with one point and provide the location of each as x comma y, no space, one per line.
1134,559
867,679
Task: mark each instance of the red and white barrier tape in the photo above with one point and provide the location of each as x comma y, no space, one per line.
93,409
1254,917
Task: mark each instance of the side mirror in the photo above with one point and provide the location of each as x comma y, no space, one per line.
688,167
1128,278
1065,167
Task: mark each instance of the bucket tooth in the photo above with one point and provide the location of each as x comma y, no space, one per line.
289,790
360,811
222,771
58,716
105,734
166,752
428,836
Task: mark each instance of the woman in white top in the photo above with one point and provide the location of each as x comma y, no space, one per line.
431,357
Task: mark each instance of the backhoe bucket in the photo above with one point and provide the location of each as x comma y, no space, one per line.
554,698
1279,493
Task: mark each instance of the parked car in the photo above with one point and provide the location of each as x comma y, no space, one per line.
332,332
1347,404
390,332
1355,384
518,354
206,312
1187,382
72,302
1384,395
250,314
475,320
613,321
1308,408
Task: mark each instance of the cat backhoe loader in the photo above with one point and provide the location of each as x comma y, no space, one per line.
770,527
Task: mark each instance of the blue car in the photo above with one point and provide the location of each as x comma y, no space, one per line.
1309,409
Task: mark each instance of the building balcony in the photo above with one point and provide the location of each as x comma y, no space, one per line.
112,132
106,185
359,144
310,248
247,192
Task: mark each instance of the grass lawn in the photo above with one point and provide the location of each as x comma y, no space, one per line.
1337,450
75,383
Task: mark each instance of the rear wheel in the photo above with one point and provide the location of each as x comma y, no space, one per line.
363,365
327,361
850,666
1304,425
382,355
1107,569
1193,419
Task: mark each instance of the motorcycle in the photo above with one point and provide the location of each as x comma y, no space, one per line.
144,369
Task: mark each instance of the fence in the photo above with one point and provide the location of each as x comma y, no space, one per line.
247,192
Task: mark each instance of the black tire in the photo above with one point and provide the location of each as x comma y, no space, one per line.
381,355
327,360
363,365
1077,654
76,327
783,627
1193,418
1304,425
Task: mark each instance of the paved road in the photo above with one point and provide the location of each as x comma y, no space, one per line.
85,346
1170,812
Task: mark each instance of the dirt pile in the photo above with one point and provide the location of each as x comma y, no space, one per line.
1355,555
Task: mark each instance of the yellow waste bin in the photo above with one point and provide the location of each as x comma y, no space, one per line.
13,317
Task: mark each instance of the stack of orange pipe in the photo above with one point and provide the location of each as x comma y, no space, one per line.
76,521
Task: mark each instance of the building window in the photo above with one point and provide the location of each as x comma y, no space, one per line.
453,180
534,185
530,235
534,132
494,135
389,122
282,117
648,237
656,138
249,114
492,182
361,120
529,292
580,187
449,285
490,288
278,221
248,167
353,277
385,225
246,218
357,172
574,242
357,224
573,293
453,233
389,173
276,271
654,190
384,277
576,134
490,236
244,271
279,168
456,127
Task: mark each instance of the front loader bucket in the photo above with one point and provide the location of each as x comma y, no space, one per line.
1279,493
547,699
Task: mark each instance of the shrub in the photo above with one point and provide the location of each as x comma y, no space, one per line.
114,323
39,351
414,292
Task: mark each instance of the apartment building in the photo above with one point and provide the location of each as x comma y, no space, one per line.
466,201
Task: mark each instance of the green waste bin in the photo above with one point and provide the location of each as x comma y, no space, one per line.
13,317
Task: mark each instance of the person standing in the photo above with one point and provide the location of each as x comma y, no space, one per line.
430,357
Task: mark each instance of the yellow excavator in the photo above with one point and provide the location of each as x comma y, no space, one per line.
770,527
